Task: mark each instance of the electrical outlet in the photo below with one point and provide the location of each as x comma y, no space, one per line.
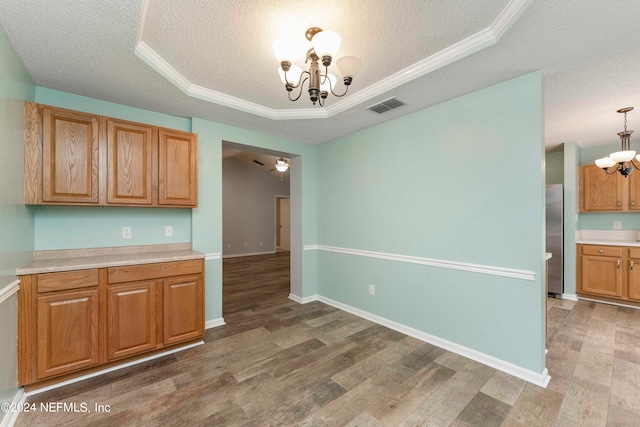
372,290
168,230
126,232
617,225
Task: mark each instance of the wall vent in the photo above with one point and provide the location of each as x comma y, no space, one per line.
386,105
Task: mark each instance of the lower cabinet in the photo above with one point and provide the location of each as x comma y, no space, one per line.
75,321
131,319
67,332
609,271
182,322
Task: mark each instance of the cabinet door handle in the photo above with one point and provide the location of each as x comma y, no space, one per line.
618,263
619,204
631,266
601,251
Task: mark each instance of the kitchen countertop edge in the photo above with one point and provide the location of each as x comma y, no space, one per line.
56,265
629,243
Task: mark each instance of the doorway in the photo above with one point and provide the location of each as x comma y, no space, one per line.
256,265
283,225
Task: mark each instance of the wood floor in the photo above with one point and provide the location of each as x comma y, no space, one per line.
279,363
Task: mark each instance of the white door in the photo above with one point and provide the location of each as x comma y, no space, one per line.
284,224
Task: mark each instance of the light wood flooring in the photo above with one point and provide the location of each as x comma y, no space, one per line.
279,363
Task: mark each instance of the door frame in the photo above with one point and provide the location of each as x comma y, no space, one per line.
276,207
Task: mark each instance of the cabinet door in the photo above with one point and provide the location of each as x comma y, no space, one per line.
634,279
634,190
600,191
69,157
178,168
67,332
601,275
131,322
183,309
129,154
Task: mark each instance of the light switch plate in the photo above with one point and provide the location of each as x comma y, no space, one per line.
617,225
168,230
126,232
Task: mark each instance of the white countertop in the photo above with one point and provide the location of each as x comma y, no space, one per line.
609,242
105,257
607,237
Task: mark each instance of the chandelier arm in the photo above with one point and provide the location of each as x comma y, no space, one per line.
300,84
335,94
300,81
613,170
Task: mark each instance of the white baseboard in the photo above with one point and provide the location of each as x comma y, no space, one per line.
214,323
10,418
609,302
570,297
540,379
114,368
304,300
248,254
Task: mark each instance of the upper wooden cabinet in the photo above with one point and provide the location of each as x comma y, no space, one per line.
74,158
69,156
178,168
600,191
129,163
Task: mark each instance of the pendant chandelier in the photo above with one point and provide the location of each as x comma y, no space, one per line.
325,45
623,160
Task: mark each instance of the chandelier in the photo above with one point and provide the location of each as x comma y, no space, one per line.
623,159
325,45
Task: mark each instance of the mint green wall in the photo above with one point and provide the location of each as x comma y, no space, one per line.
554,167
570,207
63,227
604,220
461,181
207,219
87,227
16,220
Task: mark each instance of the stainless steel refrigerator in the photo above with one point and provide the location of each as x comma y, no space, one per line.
555,237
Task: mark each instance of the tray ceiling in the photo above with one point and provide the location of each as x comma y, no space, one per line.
213,59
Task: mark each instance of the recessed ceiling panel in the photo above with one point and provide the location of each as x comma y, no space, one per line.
226,45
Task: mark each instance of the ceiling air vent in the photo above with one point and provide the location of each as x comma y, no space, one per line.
386,105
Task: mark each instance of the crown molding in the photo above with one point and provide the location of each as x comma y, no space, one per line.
472,44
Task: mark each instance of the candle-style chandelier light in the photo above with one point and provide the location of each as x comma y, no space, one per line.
325,45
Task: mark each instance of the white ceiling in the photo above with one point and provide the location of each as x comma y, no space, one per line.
213,59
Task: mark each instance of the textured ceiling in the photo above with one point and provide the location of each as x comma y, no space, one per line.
91,48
